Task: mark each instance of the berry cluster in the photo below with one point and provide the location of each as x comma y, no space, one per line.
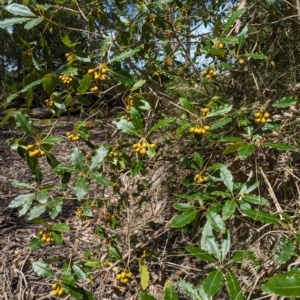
124,277
57,289
141,147
72,136
129,102
46,236
145,254
49,102
200,179
205,111
168,62
35,151
79,213
66,79
113,153
261,117
99,73
200,130
94,89
69,56
210,73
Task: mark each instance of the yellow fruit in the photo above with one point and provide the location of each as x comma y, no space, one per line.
118,277
54,286
241,61
54,293
96,76
91,71
153,145
221,46
31,153
48,240
103,77
104,70
258,120
60,291
204,72
200,180
206,127
143,151
211,72
122,275
205,178
266,115
44,238
125,280
257,115
205,109
135,146
203,131
263,120
208,76
30,147
129,275
192,130
214,74
41,232
42,152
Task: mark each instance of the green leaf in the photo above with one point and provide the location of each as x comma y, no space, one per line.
227,178
198,159
33,23
232,148
170,292
183,206
145,296
99,154
255,199
183,219
215,221
212,283
60,227
23,202
225,245
187,104
286,251
280,146
220,111
138,84
124,55
200,254
81,187
285,285
49,83
220,123
242,36
12,21
248,187
77,159
42,269
19,10
66,40
55,207
259,215
105,45
85,84
78,271
285,102
136,168
35,243
193,292
213,247
115,253
100,179
144,273
256,55
246,150
51,140
228,209
123,76
161,123
230,40
233,287
126,126
22,185
233,18
35,212
24,122
136,118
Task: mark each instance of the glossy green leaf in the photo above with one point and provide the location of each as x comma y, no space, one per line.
220,123
24,122
42,269
81,187
213,247
79,272
242,36
215,221
285,285
225,245
248,187
78,159
49,83
136,118
233,287
198,159
12,21
212,283
193,292
35,243
144,274
100,179
259,215
124,55
183,206
286,251
220,111
115,253
162,123
99,154
55,207
256,55
60,227
228,209
35,212
126,126
22,185
200,254
232,148
187,104
183,219
227,178
23,202
280,146
19,10
145,296
285,102
138,84
106,43
136,168
230,40
123,76
52,140
85,83
170,292
65,39
233,18
246,150
33,23
255,199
